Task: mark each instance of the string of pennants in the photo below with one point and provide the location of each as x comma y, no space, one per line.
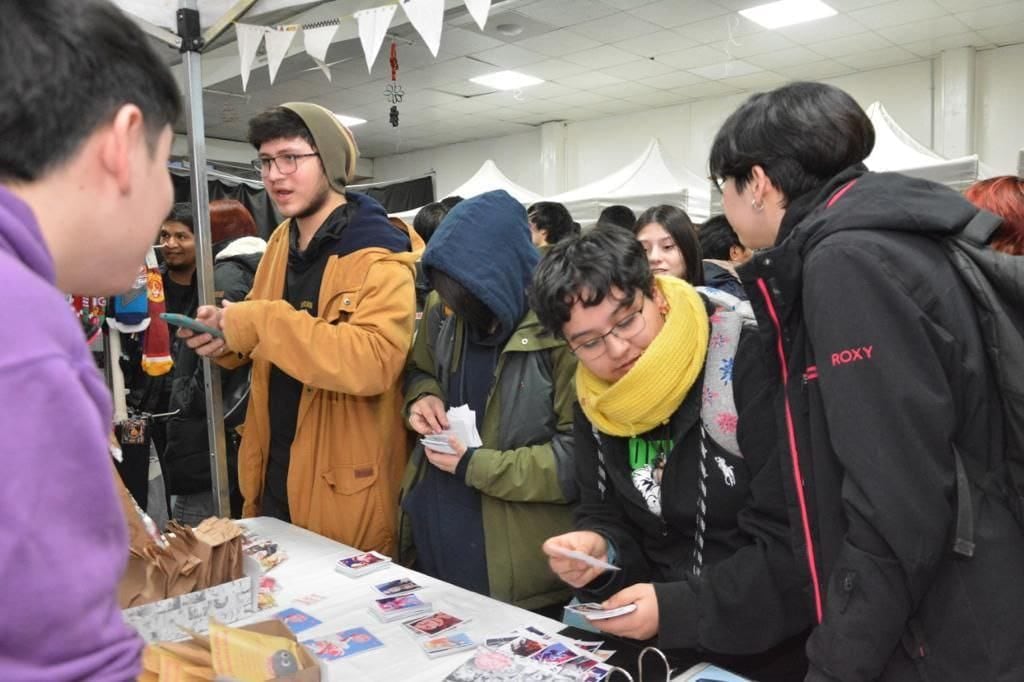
426,16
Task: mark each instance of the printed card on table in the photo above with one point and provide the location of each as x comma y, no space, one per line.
297,621
434,623
344,644
395,587
361,564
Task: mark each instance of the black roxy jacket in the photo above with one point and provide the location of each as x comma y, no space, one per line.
877,341
750,595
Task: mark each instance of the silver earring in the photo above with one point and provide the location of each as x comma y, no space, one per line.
756,206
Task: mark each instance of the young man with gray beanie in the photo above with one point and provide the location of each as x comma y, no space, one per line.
327,326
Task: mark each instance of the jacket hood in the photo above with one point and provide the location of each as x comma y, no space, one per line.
484,244
21,237
860,200
243,246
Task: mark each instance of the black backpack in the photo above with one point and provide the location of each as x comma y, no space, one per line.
996,283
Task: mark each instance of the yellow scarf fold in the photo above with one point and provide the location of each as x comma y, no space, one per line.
655,386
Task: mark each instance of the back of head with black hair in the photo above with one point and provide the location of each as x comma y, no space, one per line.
428,218
554,218
457,297
619,215
802,134
181,212
717,237
66,68
585,269
278,123
679,226
450,202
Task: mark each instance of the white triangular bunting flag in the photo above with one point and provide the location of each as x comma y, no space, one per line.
249,37
326,69
317,41
479,9
373,25
278,42
426,17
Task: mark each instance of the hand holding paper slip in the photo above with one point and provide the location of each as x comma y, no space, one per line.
462,425
585,558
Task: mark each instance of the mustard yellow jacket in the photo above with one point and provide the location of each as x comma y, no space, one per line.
350,445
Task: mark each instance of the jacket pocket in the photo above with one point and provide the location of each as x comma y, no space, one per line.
349,479
353,513
341,306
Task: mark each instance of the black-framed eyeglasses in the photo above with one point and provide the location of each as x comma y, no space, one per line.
624,329
286,163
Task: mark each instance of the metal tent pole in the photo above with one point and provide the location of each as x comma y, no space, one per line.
191,43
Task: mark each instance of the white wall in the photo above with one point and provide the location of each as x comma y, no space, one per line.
598,147
518,157
999,103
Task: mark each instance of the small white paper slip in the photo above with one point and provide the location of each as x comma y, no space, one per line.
585,558
594,611
462,422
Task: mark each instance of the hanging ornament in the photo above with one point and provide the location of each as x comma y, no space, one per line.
394,92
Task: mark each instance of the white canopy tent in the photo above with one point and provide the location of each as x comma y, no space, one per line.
645,182
896,150
488,177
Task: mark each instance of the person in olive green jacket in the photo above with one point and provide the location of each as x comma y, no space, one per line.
477,518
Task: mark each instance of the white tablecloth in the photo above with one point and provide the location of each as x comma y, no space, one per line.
310,569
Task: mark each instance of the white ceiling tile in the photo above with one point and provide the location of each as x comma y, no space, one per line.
813,70
1009,34
671,13
671,81
554,69
933,46
729,69
702,55
654,44
566,12
557,43
840,47
874,59
585,98
551,90
509,56
590,79
721,28
967,5
741,47
628,90
467,105
601,57
626,4
664,98
619,25
823,29
851,5
641,68
707,89
762,81
924,30
997,15
788,57
897,13
457,42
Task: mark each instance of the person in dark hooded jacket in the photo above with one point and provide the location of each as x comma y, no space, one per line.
236,253
477,518
877,340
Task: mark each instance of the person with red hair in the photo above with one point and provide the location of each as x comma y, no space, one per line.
1004,196
186,458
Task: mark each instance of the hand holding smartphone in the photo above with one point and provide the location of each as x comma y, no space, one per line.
190,323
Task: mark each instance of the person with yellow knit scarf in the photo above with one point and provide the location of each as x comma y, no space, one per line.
677,462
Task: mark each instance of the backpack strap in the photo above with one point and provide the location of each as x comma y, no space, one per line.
963,542
981,227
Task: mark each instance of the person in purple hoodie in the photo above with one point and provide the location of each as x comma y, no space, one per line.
85,113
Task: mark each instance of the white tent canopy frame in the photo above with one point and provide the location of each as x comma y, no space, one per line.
487,178
897,150
646,181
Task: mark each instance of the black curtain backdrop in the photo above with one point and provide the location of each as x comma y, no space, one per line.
398,196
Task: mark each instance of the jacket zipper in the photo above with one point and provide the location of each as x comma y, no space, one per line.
793,452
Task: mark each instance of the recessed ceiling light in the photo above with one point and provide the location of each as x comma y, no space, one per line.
349,120
506,80
787,12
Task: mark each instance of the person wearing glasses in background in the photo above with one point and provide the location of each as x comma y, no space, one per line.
677,463
327,326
